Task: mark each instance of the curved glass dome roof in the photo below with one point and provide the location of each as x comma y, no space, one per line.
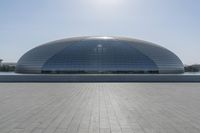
99,55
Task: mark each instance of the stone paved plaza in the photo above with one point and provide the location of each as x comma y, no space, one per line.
99,108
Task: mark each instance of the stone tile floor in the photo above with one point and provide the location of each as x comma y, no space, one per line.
100,108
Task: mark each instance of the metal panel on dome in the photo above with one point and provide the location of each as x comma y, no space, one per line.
167,62
99,55
33,60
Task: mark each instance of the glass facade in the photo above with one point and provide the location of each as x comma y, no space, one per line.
99,55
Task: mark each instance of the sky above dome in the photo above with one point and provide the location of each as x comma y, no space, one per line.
174,24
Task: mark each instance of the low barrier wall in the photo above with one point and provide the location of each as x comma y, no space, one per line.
99,78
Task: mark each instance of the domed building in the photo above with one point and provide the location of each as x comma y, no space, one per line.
99,55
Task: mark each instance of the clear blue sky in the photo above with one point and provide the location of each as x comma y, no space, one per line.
174,24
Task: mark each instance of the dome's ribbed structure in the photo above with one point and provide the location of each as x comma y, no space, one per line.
99,55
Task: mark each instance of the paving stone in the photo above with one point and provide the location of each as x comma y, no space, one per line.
99,107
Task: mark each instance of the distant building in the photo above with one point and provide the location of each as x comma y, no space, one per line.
10,64
99,55
192,68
